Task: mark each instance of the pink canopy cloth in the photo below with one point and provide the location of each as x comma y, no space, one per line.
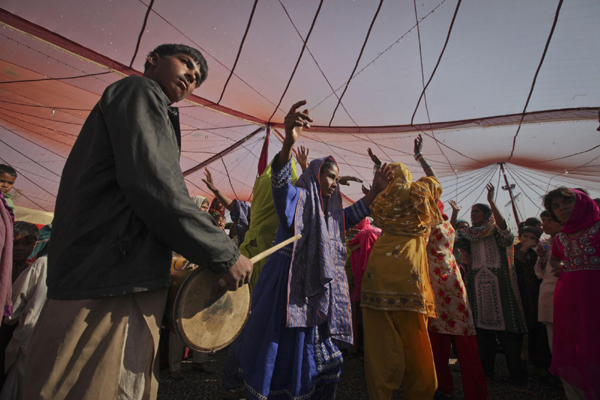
375,75
365,238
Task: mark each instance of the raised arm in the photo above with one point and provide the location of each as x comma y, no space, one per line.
374,157
420,159
286,195
345,180
455,209
500,221
294,122
382,178
302,157
226,201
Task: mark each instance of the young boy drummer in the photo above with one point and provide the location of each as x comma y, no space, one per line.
122,207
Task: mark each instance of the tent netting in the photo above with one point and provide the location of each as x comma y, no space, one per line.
485,82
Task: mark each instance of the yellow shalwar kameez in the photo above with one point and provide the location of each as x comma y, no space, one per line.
263,222
397,297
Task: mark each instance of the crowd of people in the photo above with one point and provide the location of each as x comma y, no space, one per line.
391,279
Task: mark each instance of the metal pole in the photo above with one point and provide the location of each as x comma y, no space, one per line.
510,188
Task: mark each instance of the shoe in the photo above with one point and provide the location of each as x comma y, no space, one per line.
203,367
177,375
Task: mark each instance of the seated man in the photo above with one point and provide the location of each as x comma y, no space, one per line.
122,207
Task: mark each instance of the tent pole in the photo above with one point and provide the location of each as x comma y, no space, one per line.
510,188
222,153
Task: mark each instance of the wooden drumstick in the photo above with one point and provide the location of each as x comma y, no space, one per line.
273,249
267,253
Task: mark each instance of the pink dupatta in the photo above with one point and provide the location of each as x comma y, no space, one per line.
6,257
585,214
359,258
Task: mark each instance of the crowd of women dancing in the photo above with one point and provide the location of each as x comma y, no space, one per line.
394,279
395,273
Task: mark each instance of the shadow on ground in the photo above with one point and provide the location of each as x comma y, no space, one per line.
197,385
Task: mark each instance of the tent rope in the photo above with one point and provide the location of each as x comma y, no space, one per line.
207,53
357,61
512,152
298,61
378,55
239,51
523,191
317,65
57,79
423,82
412,120
139,40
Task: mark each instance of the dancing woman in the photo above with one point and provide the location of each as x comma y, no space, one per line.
397,298
301,315
576,255
492,288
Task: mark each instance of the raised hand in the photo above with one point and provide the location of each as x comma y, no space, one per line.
455,207
345,180
418,143
529,244
302,157
491,191
295,121
209,181
541,251
374,158
365,189
382,178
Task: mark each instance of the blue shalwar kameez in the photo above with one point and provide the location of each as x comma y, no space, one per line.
289,348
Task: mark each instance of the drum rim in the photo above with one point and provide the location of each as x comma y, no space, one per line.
177,322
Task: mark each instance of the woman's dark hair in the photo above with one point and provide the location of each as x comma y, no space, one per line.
530,229
327,165
484,208
532,221
559,192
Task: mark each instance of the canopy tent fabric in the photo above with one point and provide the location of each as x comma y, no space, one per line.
40,218
511,81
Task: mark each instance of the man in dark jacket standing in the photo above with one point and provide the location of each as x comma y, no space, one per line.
122,207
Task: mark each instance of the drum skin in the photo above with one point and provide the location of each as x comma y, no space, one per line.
206,317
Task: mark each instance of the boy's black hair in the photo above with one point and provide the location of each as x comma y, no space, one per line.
26,229
165,50
533,221
530,229
7,169
216,216
545,214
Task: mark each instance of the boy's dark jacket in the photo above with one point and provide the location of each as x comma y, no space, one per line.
123,205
